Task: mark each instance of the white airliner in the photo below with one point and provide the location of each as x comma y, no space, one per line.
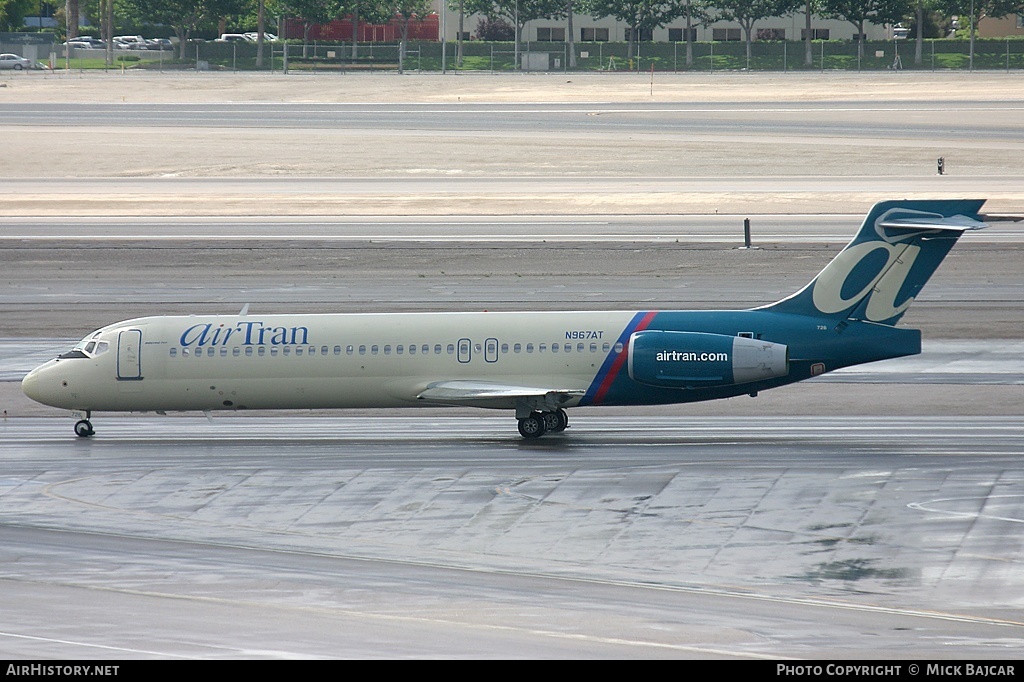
535,363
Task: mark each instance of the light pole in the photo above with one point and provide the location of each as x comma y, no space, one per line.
970,60
515,35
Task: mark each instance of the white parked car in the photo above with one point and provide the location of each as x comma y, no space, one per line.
13,61
131,43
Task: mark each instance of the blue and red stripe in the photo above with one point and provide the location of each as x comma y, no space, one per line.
613,364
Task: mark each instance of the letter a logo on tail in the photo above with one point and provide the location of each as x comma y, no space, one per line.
878,275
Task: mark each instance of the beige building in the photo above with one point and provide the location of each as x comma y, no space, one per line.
1012,25
607,29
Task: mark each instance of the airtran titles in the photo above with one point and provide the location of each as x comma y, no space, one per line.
686,356
248,333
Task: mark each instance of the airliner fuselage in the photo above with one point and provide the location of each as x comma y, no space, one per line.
390,360
535,363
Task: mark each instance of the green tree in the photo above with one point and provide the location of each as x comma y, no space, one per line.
811,7
407,10
747,12
569,12
495,30
185,16
639,15
459,6
517,12
13,13
70,18
976,10
861,12
367,12
696,13
923,25
311,13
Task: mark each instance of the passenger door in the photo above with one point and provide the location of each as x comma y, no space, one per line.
129,364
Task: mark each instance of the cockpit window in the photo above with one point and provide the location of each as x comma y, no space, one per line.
87,348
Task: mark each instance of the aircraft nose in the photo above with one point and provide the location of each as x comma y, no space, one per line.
31,386
38,386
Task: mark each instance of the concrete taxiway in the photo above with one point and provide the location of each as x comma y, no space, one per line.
420,536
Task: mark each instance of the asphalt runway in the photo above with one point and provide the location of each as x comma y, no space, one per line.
869,514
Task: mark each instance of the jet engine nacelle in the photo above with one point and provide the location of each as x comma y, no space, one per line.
692,359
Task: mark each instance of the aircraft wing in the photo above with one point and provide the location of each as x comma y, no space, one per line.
495,395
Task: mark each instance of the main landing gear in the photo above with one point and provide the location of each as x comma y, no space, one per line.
539,423
83,427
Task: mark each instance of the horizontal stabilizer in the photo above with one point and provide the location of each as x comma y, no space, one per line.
958,223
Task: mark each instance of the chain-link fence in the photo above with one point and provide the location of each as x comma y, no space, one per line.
935,55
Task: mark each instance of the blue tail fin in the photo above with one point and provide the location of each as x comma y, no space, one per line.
878,275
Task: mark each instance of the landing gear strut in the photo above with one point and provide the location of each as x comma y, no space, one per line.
539,423
83,427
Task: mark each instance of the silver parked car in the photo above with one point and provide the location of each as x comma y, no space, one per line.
13,61
86,43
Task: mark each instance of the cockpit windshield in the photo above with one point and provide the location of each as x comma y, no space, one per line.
89,347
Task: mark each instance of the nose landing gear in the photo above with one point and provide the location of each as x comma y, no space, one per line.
83,427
